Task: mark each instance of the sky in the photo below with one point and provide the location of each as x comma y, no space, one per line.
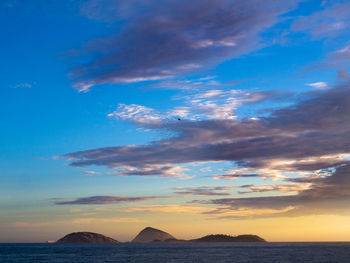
200,117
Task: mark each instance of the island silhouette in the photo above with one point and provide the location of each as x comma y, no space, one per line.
150,235
86,237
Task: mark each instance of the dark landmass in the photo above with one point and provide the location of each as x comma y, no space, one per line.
227,238
150,234
86,237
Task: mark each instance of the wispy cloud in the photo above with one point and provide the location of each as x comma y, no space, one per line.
137,113
107,199
286,188
242,212
204,190
318,85
207,104
340,55
288,134
165,39
22,85
306,139
90,173
326,195
207,82
154,170
332,21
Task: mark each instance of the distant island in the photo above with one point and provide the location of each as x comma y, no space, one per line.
227,238
150,234
86,237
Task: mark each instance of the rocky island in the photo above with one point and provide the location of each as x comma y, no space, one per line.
227,238
150,234
86,237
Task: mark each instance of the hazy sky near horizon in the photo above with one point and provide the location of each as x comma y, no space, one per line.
208,116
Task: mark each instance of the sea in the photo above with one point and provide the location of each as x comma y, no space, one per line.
177,252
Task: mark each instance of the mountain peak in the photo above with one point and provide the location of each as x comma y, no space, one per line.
150,234
151,229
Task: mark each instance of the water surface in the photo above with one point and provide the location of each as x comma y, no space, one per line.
177,252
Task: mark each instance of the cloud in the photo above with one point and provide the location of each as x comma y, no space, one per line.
107,199
137,113
204,190
217,104
154,170
23,85
219,213
90,173
150,170
287,188
241,213
342,54
273,170
305,144
276,169
332,21
318,85
164,39
207,82
317,126
236,175
326,195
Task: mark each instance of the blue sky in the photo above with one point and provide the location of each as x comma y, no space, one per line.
92,93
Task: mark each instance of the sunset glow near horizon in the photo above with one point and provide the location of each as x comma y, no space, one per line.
195,117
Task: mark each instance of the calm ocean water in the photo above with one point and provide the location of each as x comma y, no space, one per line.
190,252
